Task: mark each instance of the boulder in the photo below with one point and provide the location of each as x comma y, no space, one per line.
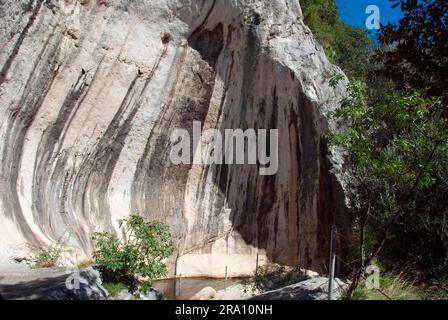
312,289
55,285
208,293
151,295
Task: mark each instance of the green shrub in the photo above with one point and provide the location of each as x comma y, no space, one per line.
48,258
114,288
140,254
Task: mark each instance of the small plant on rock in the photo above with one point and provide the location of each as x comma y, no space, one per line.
48,258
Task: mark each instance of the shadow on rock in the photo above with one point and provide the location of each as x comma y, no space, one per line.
73,285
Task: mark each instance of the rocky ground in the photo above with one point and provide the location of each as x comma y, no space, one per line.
312,289
19,282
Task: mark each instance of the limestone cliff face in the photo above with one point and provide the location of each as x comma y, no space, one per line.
91,90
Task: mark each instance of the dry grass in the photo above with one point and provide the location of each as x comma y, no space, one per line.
392,287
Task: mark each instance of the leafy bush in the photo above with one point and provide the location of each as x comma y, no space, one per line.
140,254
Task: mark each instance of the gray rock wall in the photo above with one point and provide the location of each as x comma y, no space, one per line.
90,92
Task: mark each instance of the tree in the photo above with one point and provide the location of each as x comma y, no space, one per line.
414,51
140,254
345,45
397,161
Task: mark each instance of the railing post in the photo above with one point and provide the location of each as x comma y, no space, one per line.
332,263
180,286
256,266
225,281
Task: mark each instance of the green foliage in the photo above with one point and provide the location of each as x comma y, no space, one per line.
317,12
391,288
345,45
141,254
414,50
383,139
48,258
273,277
394,135
370,243
397,158
335,79
115,288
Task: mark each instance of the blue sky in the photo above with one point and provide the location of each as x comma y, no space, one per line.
353,11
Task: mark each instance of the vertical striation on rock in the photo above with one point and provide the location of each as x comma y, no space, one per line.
90,92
